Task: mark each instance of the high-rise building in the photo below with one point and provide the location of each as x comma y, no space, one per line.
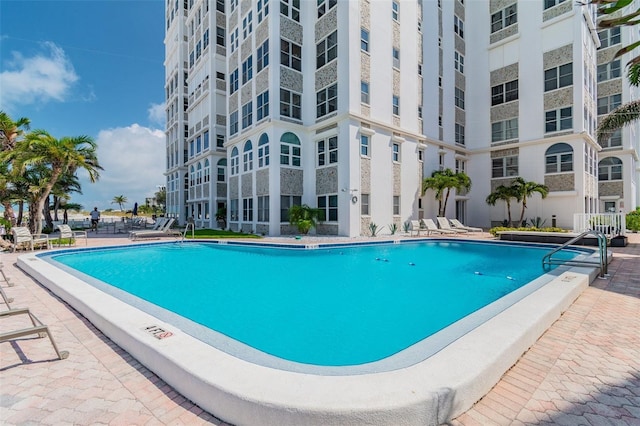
347,106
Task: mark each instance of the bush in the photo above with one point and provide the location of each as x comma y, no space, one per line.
633,220
494,231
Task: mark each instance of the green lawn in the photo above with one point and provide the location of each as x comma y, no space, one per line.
216,233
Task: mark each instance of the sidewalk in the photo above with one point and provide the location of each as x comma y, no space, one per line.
584,370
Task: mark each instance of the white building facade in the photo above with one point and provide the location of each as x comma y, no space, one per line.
347,105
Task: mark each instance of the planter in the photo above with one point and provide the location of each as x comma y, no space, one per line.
619,241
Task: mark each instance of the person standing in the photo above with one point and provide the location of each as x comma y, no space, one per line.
95,218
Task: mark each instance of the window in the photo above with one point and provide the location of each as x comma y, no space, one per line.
233,5
458,61
207,171
205,39
557,77
247,69
233,123
233,210
461,165
199,174
262,7
247,209
247,114
395,10
328,151
504,167
222,170
395,153
550,3
327,49
364,40
609,70
262,105
263,208
609,103
235,161
327,100
459,98
263,150
220,5
290,104
559,119
458,26
324,6
559,158
506,92
219,141
328,204
364,92
262,56
364,204
504,130
247,157
247,25
396,105
198,144
609,37
614,141
290,150
220,36
504,18
290,8
364,145
459,133
396,205
290,55
233,81
205,140
395,53
286,202
610,168
234,40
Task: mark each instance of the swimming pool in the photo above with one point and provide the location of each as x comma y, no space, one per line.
239,390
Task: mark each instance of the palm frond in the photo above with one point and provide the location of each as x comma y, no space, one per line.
617,119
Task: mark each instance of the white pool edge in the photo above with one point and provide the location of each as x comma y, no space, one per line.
428,393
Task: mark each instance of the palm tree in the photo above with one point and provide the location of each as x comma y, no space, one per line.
624,115
305,217
442,182
10,132
526,189
506,194
119,200
51,158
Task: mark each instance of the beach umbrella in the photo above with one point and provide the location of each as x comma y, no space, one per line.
135,209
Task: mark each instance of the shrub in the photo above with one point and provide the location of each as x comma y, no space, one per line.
633,220
494,231
373,229
393,228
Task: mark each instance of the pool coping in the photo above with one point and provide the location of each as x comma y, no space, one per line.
239,392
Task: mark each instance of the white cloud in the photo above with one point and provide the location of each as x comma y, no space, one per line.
46,76
157,114
133,159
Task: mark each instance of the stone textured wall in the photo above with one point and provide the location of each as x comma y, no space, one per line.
327,75
460,116
365,174
610,87
606,188
559,98
262,229
495,183
397,179
560,56
291,30
560,182
327,180
291,181
557,10
247,185
246,95
246,49
233,187
365,67
327,24
365,221
262,31
459,10
365,14
504,74
221,189
247,228
500,153
290,79
327,229
233,103
505,111
262,80
262,182
459,44
221,21
396,82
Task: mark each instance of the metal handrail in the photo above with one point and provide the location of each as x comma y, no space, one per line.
186,229
547,261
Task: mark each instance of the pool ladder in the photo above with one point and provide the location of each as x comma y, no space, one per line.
602,263
190,225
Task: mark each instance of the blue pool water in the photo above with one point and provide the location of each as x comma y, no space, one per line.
337,306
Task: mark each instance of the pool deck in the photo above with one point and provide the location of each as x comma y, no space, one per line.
585,370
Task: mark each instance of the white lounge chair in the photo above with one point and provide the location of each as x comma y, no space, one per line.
37,327
459,225
67,233
432,227
164,231
443,222
415,227
22,237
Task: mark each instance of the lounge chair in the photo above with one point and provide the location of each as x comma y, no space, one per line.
432,227
444,224
67,233
164,231
459,225
22,237
4,276
37,328
415,227
6,299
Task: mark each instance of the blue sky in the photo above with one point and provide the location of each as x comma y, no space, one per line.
91,67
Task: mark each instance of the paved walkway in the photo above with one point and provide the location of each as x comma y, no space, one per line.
585,370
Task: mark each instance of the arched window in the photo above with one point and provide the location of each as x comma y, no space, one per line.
263,150
559,158
199,174
235,161
290,149
610,168
207,171
247,157
222,170
192,176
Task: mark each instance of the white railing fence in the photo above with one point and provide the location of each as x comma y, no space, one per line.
610,224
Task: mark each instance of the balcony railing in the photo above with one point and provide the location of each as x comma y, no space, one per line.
610,224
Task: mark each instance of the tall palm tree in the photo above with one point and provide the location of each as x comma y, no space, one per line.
119,200
10,132
506,194
624,115
53,158
526,189
442,182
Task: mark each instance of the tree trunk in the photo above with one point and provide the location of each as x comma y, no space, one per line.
33,213
509,214
46,212
9,214
524,206
20,211
65,217
56,206
444,206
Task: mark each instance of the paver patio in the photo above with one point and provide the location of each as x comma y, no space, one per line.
585,370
